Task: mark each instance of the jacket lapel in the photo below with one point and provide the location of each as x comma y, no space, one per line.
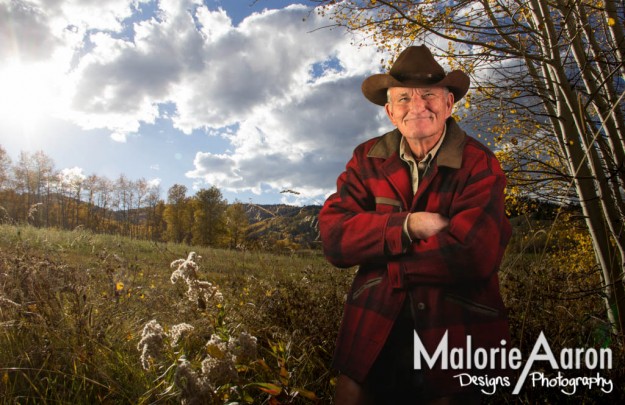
398,174
393,167
449,155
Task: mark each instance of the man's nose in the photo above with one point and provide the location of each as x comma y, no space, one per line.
416,104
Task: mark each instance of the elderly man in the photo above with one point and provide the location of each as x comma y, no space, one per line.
420,210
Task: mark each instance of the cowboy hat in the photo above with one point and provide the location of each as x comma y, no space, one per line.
415,67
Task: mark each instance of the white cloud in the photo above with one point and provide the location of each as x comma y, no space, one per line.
296,130
72,177
285,93
154,183
24,32
213,24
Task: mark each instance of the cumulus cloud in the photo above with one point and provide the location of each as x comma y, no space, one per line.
301,144
295,93
154,183
24,32
282,91
72,177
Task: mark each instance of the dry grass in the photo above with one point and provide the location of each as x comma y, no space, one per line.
73,307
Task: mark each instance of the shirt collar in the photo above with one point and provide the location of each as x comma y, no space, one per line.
406,154
450,153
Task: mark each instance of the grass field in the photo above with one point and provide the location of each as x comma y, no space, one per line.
88,318
73,306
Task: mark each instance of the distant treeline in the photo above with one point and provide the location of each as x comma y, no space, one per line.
33,191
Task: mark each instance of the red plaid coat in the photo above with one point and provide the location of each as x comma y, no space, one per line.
452,276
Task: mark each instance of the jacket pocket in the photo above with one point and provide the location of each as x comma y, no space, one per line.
473,306
370,283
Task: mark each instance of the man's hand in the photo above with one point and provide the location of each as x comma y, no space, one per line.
422,225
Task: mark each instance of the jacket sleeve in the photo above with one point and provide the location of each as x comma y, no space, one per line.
352,232
473,245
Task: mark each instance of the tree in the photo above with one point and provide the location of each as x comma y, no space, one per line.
6,195
32,175
124,196
71,182
155,223
90,185
209,210
178,216
156,220
237,223
554,72
5,165
105,200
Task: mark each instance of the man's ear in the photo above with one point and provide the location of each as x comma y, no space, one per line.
450,103
389,112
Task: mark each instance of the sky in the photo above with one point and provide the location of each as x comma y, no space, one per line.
253,97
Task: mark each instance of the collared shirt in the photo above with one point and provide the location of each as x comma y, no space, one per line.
417,169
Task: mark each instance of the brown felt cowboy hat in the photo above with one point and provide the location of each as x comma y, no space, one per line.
415,67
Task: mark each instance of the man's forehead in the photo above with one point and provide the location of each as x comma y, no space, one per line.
409,90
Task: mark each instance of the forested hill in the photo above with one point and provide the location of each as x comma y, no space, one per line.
286,226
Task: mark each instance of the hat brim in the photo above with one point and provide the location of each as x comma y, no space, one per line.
374,87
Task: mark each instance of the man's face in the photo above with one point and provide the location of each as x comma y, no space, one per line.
419,113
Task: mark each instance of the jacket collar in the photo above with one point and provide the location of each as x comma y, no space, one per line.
450,153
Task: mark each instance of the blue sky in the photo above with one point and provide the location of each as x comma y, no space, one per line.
249,96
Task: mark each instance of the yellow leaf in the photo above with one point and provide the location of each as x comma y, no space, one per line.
263,364
611,22
305,393
214,351
271,389
119,286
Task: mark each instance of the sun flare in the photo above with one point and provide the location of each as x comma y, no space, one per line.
26,96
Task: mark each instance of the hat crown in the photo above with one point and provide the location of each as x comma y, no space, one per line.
414,67
416,63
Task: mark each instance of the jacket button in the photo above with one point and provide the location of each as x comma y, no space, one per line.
421,306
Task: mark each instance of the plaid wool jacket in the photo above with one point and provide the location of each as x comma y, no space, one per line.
451,276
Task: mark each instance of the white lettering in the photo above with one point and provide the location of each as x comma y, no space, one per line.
456,358
541,342
514,358
481,358
419,350
591,363
569,386
606,354
487,358
483,381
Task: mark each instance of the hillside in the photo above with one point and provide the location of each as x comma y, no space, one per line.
294,225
